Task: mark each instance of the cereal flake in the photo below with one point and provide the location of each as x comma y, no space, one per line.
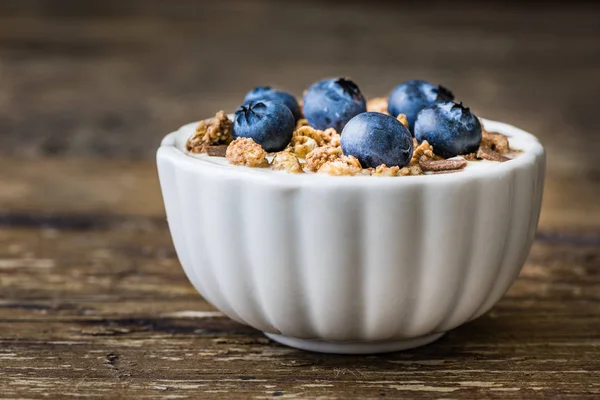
331,137
410,170
384,170
494,141
485,153
286,161
378,104
301,122
306,138
219,150
321,155
213,131
422,151
302,145
246,152
443,165
310,132
403,120
344,166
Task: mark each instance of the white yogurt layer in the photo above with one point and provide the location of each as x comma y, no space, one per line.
518,140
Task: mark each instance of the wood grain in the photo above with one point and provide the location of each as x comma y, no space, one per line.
111,78
84,189
109,312
93,302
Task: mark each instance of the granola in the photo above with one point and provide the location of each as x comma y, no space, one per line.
286,161
310,132
384,170
409,170
378,104
494,141
315,150
402,119
301,122
244,151
422,151
331,137
302,145
321,155
346,165
213,131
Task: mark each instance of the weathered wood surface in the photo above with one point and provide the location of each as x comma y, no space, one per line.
110,78
96,304
93,302
86,189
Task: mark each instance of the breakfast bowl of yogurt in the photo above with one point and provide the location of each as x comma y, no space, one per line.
352,226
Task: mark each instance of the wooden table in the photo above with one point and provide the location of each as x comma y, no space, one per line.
93,302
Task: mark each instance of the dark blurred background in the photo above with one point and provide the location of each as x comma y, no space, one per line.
110,78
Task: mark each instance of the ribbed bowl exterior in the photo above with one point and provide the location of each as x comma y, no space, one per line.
352,259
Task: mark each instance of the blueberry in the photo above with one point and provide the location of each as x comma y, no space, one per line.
450,128
375,139
331,103
267,93
411,97
268,123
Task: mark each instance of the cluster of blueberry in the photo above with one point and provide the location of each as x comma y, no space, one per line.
268,117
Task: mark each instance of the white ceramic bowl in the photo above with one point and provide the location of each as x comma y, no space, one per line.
352,264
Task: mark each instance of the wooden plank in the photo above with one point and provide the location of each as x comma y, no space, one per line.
94,188
79,186
93,302
109,78
109,312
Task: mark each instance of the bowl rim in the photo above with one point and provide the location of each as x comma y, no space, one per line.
530,157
